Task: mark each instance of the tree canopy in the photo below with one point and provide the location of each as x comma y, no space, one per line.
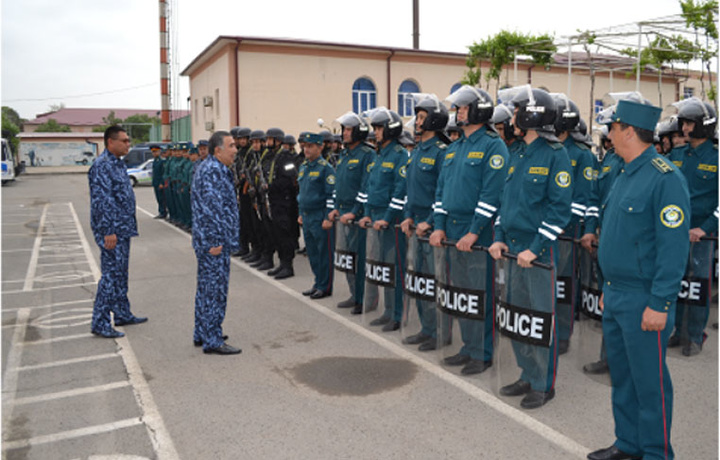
52,126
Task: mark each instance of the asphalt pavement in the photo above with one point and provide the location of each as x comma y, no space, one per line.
312,380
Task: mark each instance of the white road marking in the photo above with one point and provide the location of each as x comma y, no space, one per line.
10,376
71,393
50,305
67,362
32,267
85,245
63,338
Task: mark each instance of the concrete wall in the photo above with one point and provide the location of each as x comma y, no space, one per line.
50,151
212,81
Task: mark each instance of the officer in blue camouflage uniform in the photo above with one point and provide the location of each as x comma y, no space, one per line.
423,170
113,222
698,161
385,192
643,252
315,200
535,207
214,238
466,203
157,180
349,177
583,166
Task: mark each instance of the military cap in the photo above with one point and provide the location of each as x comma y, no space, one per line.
636,114
289,139
194,151
311,138
203,142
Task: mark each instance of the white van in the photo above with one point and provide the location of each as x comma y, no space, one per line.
8,163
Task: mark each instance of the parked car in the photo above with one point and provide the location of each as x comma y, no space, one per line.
85,158
137,156
142,174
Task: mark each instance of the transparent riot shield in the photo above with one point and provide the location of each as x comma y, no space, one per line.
525,346
379,273
346,257
419,315
589,336
566,290
693,304
463,291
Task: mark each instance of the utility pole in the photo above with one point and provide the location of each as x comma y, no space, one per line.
165,134
416,24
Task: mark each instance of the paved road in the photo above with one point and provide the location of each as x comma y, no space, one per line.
312,381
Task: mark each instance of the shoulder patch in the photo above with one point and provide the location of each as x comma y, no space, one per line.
588,173
562,179
322,162
672,216
403,171
497,161
330,179
661,165
555,145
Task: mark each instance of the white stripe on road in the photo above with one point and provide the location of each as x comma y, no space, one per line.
50,305
67,362
32,266
10,376
85,245
50,288
63,338
71,393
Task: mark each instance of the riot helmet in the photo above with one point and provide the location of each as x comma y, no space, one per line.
568,113
235,132
502,115
360,129
479,102
437,113
702,113
389,121
535,110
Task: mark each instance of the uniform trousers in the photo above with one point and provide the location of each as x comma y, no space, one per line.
112,289
320,246
213,277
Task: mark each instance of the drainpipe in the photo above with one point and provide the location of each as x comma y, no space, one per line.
389,73
530,74
236,78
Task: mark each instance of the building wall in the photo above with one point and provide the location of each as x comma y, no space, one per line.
60,151
212,81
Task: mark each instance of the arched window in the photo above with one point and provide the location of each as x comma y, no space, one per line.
455,87
406,104
364,95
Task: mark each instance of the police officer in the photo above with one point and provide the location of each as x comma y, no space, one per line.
113,223
214,238
257,237
315,200
202,147
423,169
185,178
535,207
274,138
698,161
242,142
454,132
157,180
466,203
385,194
502,121
350,175
282,193
643,251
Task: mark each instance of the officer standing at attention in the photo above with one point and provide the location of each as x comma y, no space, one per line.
423,169
466,203
385,195
157,180
317,183
282,192
350,175
698,162
113,222
242,142
202,147
214,238
643,253
252,166
535,207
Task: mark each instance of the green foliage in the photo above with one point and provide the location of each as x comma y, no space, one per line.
52,126
501,49
138,133
701,16
9,128
13,117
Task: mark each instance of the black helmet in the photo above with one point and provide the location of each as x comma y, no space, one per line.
702,113
244,132
360,129
479,102
289,139
275,133
437,113
536,110
390,121
503,114
668,127
452,126
327,135
579,133
406,139
235,132
568,114
257,134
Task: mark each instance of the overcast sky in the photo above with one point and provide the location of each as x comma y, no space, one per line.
97,53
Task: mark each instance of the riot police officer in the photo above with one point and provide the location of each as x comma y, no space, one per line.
274,138
240,177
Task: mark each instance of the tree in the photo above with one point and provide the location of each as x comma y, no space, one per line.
701,16
52,126
108,121
139,126
12,124
501,49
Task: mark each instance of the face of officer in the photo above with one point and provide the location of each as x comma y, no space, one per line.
155,153
500,128
462,114
678,140
347,134
379,134
119,145
203,150
242,141
454,135
420,118
226,153
256,144
312,151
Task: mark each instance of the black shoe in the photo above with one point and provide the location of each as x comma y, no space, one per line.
416,339
257,262
692,349
318,294
611,453
285,272
198,343
302,251
563,346
596,368
309,291
266,265
349,303
475,366
242,253
131,321
383,320
358,310
250,255
253,258
673,341
391,326
516,389
428,345
457,360
275,270
160,216
223,349
536,399
111,334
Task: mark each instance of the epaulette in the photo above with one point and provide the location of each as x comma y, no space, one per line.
322,161
441,145
555,145
582,146
398,148
661,165
492,133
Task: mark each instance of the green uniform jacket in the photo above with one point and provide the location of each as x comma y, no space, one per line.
317,183
423,171
351,173
700,168
385,187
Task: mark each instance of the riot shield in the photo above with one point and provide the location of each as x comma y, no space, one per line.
379,273
419,315
346,257
566,290
463,291
526,345
589,342
693,303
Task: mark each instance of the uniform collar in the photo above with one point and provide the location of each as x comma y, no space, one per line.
476,135
390,147
701,149
428,143
638,162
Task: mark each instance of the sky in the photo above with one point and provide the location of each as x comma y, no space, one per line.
103,54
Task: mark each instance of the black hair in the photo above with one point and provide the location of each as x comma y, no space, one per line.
112,132
217,140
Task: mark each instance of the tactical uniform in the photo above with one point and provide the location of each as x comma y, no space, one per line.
282,192
112,212
157,182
